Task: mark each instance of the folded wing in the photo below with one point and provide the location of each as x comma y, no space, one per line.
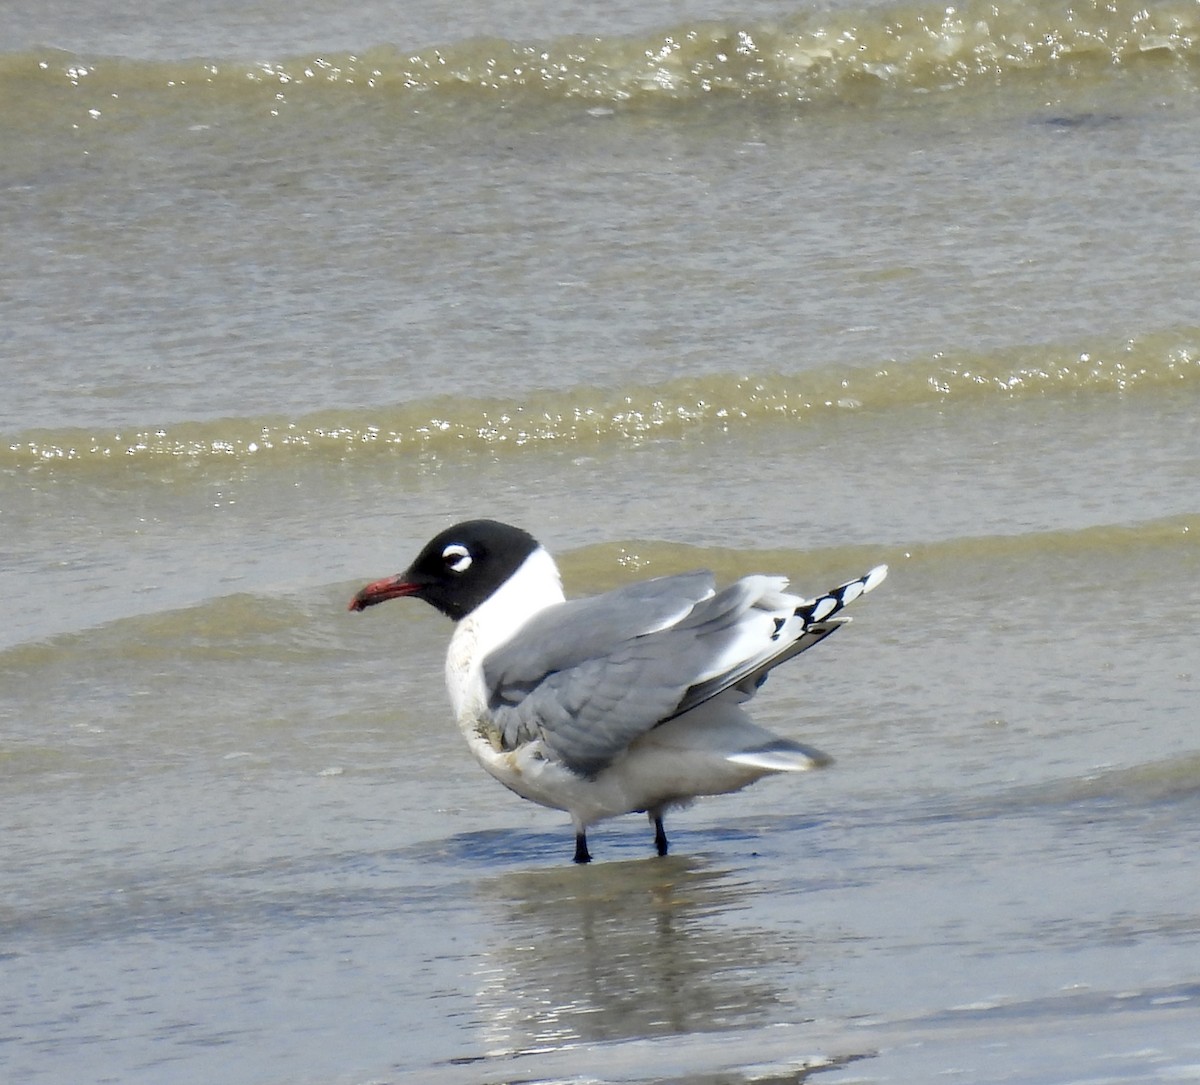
589,677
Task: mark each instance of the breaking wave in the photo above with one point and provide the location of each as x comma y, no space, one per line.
845,55
445,428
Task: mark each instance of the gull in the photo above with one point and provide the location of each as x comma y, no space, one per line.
629,701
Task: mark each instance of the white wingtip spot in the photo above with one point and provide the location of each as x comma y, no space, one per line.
851,592
874,578
823,608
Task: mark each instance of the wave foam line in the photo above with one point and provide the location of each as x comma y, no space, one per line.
610,563
672,410
813,56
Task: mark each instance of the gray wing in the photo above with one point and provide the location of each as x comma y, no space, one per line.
588,711
565,636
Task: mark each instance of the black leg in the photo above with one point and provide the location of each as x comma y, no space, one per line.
660,835
582,855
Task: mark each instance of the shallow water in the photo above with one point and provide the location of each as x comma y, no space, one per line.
789,291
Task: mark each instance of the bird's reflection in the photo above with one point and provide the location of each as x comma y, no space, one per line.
618,950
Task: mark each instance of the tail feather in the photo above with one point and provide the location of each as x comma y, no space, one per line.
782,755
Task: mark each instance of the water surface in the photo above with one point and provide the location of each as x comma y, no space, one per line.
778,289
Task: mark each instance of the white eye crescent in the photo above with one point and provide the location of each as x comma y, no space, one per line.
457,558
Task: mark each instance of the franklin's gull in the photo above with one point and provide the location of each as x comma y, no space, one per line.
626,701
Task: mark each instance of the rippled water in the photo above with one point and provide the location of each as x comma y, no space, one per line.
781,290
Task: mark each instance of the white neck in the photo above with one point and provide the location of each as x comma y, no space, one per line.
536,585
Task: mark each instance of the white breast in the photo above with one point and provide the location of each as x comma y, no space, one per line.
536,585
